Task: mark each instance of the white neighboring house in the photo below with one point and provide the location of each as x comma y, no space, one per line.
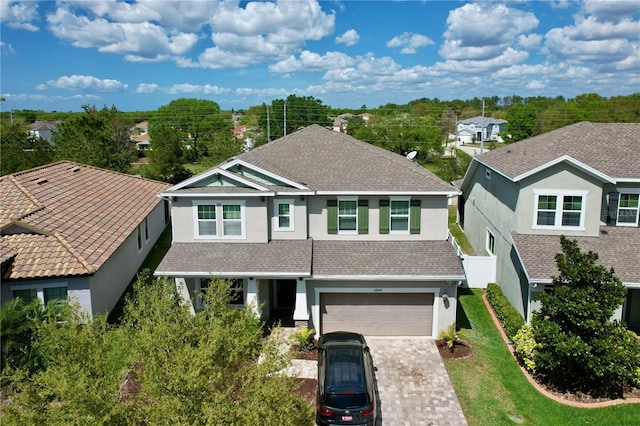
140,135
480,129
73,231
44,129
321,229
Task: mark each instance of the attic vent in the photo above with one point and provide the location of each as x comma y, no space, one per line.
75,169
41,181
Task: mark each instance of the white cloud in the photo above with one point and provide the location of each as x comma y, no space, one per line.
591,29
19,14
310,61
611,10
561,45
5,48
483,31
509,57
206,89
147,88
349,38
529,41
87,83
409,42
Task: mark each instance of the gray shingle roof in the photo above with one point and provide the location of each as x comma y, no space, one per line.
611,148
296,257
325,160
237,259
617,247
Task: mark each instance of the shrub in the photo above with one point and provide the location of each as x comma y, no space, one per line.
508,315
304,337
449,336
526,346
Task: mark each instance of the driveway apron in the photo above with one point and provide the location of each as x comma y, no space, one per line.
412,384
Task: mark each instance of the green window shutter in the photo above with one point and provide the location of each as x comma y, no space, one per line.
332,216
414,217
363,216
384,216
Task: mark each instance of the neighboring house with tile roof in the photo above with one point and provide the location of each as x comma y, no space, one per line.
480,129
323,229
582,181
71,230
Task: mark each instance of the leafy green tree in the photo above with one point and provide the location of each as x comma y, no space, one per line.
522,119
301,111
96,137
18,324
162,366
20,150
580,347
202,126
166,155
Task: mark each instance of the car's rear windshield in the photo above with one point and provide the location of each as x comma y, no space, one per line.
346,401
345,369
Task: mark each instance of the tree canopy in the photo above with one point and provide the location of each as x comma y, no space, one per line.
20,150
161,366
301,111
580,347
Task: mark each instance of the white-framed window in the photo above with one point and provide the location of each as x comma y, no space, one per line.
628,209
559,210
347,215
284,218
491,243
43,292
219,219
399,211
236,292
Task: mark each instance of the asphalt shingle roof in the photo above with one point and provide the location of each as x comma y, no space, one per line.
67,219
277,257
611,148
617,247
325,160
314,257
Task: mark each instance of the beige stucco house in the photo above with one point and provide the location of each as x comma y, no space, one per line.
77,232
582,181
321,229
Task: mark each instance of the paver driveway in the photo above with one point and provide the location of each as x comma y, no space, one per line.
412,383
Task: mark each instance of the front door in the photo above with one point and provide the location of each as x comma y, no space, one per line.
285,295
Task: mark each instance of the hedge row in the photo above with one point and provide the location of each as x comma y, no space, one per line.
508,315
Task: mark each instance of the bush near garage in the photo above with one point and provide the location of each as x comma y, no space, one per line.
510,318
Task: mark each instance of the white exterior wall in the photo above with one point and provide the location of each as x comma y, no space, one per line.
77,290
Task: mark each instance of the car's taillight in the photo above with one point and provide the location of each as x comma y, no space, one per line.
324,411
368,411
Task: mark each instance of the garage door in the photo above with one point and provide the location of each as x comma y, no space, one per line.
378,314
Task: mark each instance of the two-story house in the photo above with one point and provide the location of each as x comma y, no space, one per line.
321,228
582,181
71,231
480,129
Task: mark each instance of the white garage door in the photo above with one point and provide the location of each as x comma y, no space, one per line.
377,314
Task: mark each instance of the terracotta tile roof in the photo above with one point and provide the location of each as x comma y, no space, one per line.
296,257
292,257
67,218
617,247
611,148
392,258
325,160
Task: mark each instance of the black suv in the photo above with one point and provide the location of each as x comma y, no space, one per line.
345,381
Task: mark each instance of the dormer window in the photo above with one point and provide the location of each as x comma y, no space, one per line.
628,206
559,210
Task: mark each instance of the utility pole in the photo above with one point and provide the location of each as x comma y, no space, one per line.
285,118
268,126
482,134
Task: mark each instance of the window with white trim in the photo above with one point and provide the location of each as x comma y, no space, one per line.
43,292
399,216
347,216
202,285
491,243
219,219
284,220
559,210
628,208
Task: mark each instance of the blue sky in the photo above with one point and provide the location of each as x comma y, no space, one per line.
139,55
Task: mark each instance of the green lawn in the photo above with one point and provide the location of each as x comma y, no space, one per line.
493,391
457,232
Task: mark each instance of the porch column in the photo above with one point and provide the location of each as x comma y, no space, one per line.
301,313
253,299
183,293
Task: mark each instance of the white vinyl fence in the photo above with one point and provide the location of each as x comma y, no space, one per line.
480,270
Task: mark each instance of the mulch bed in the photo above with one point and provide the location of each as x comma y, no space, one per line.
307,390
461,350
310,354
